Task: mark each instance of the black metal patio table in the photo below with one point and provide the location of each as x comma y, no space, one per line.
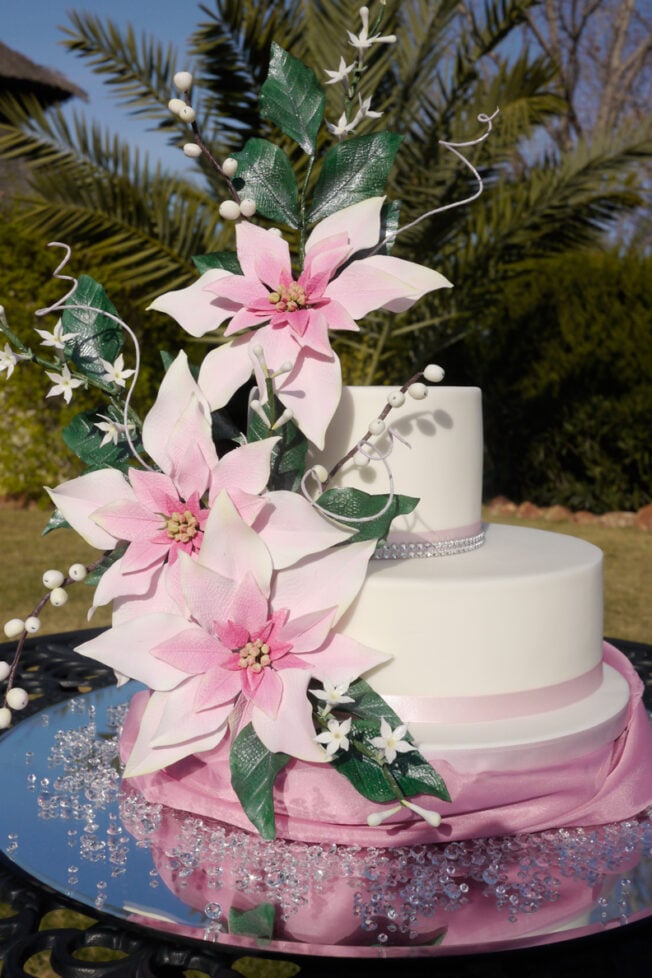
52,672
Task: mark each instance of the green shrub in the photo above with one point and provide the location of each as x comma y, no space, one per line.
565,363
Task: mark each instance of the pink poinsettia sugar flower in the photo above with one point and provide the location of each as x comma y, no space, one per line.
160,514
242,647
289,318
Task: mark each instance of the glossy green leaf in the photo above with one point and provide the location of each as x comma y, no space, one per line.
353,170
57,521
265,174
415,776
358,505
99,337
293,99
228,260
370,706
257,922
365,774
253,771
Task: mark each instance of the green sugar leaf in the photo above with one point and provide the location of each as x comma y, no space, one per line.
265,174
353,170
228,260
99,336
293,99
358,506
253,771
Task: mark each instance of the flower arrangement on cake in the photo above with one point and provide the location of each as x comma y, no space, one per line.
228,573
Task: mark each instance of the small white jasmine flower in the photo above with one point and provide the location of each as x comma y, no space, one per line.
341,74
112,429
115,372
332,695
8,360
341,127
365,111
64,383
362,41
336,737
57,338
391,741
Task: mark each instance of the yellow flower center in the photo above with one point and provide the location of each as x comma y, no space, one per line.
288,298
254,655
182,527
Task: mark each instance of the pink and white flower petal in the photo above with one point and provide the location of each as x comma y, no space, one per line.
312,373
203,594
262,254
264,689
155,490
129,519
145,759
341,659
360,222
380,281
194,308
180,721
176,391
245,468
139,589
292,731
331,580
292,529
307,632
231,548
224,370
79,498
126,648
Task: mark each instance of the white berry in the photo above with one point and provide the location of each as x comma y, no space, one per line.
320,473
32,624
175,105
17,698
434,373
77,571
52,578
230,167
417,391
229,210
187,114
5,718
361,459
183,81
5,669
396,398
377,426
14,627
58,596
247,207
192,150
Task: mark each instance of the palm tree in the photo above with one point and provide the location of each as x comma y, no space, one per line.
144,225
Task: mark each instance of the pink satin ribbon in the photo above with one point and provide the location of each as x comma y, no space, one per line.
501,706
436,536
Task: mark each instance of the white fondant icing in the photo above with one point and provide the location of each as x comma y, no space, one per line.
523,612
442,465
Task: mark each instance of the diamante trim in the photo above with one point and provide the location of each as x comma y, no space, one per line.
437,548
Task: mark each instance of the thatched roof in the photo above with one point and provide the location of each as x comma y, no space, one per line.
19,75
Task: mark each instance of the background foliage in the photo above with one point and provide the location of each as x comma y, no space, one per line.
558,371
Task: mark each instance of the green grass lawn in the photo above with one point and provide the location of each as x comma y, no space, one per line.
26,554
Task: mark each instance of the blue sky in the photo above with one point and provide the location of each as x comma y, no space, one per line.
33,28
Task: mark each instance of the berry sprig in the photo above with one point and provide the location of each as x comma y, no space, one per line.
56,582
229,210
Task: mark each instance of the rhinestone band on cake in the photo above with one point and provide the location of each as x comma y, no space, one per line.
436,548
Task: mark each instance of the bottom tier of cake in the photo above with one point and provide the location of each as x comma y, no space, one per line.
593,770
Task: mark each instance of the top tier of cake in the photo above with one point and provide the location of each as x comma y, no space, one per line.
435,456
